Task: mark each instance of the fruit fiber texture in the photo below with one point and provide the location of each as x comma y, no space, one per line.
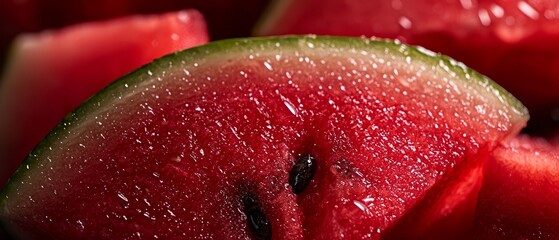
518,199
201,144
53,72
514,42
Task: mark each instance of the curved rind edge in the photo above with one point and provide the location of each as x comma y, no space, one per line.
232,46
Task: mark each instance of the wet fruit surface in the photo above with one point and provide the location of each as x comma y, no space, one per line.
226,18
51,73
518,199
513,42
202,144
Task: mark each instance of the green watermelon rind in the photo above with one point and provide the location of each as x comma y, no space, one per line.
219,49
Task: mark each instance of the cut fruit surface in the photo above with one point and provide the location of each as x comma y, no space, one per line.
518,199
51,73
225,18
511,41
315,137
447,211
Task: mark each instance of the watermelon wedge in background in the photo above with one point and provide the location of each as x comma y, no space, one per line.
225,18
506,193
518,199
51,73
514,42
448,210
295,137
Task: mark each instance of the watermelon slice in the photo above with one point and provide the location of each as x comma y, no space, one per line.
294,137
518,199
448,210
51,73
225,18
514,42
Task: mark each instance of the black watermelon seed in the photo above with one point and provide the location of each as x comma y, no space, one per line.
302,173
257,222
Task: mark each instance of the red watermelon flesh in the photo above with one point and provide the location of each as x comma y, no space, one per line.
513,42
53,72
447,211
225,18
202,144
518,199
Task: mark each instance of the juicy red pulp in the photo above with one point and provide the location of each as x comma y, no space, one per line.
514,42
300,177
207,150
72,64
525,67
518,199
